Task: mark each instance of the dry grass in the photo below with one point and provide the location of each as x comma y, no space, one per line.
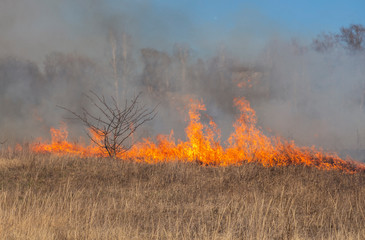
48,197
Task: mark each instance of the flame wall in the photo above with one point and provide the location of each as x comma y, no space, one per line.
52,52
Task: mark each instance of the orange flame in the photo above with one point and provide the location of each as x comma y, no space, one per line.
60,145
247,143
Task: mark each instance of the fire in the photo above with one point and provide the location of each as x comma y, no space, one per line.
60,145
247,143
202,143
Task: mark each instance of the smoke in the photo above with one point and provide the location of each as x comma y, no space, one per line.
316,98
52,52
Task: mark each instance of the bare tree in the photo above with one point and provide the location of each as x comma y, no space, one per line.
121,60
182,54
156,74
114,65
324,42
353,37
112,126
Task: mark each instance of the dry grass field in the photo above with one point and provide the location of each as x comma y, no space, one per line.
50,197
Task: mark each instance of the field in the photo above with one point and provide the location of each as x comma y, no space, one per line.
50,197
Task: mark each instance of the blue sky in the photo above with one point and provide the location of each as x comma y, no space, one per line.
290,15
207,24
35,28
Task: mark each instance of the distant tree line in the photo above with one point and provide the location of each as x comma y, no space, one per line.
282,73
351,38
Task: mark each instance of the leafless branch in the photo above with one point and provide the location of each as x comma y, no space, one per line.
112,126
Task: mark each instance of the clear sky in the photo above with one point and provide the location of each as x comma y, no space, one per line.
291,15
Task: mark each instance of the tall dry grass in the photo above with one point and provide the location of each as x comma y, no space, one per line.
49,197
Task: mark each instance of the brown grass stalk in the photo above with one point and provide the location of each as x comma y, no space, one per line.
49,197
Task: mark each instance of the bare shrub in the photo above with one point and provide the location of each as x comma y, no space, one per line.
112,125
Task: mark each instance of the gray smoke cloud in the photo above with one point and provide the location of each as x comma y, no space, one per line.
51,52
317,98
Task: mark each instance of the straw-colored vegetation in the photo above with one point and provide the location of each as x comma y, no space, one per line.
49,197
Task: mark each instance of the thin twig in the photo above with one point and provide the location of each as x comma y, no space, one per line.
112,124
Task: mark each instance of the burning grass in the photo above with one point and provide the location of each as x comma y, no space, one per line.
247,143
53,197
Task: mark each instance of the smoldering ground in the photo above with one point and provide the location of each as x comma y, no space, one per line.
52,53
